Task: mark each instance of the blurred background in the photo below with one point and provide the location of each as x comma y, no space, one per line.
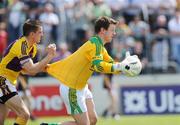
147,28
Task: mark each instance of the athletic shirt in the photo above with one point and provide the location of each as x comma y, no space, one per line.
75,70
17,53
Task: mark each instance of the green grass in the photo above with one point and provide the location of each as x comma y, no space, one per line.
124,120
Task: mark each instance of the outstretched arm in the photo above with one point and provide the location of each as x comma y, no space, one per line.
130,66
33,68
101,61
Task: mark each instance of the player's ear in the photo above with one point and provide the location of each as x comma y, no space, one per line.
31,34
102,30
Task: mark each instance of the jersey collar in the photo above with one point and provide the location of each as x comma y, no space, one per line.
99,39
29,47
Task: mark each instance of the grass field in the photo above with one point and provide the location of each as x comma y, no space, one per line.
124,120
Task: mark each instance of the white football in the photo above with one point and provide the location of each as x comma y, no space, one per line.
134,67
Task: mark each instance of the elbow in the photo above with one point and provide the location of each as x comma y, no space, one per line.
33,71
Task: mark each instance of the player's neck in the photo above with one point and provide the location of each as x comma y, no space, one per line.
29,41
102,38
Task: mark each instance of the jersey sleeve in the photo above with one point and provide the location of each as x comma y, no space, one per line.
100,62
21,51
34,52
107,57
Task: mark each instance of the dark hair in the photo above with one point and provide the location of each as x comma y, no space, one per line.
31,26
103,22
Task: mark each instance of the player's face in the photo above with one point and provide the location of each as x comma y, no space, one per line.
38,35
109,33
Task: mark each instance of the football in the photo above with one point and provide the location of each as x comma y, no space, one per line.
134,67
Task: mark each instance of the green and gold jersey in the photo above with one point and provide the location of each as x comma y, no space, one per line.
75,70
17,53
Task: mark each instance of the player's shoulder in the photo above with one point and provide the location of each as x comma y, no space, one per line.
95,40
20,45
21,42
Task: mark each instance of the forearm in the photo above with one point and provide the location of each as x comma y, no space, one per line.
33,68
25,72
40,66
104,67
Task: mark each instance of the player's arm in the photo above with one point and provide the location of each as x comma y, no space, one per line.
107,57
130,66
25,72
99,65
33,68
96,57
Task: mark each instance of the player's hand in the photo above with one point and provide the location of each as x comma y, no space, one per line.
51,49
130,66
45,68
122,66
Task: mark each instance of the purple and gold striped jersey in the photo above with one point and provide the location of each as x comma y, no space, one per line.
75,70
14,57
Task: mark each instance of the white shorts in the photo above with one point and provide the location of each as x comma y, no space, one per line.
75,100
7,90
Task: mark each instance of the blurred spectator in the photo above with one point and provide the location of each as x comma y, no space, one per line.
3,10
32,9
123,30
159,7
69,20
139,51
167,8
50,22
3,38
59,8
134,8
160,48
80,38
116,6
100,8
62,52
16,18
174,28
81,18
122,38
140,29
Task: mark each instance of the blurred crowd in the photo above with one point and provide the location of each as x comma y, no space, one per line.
148,28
